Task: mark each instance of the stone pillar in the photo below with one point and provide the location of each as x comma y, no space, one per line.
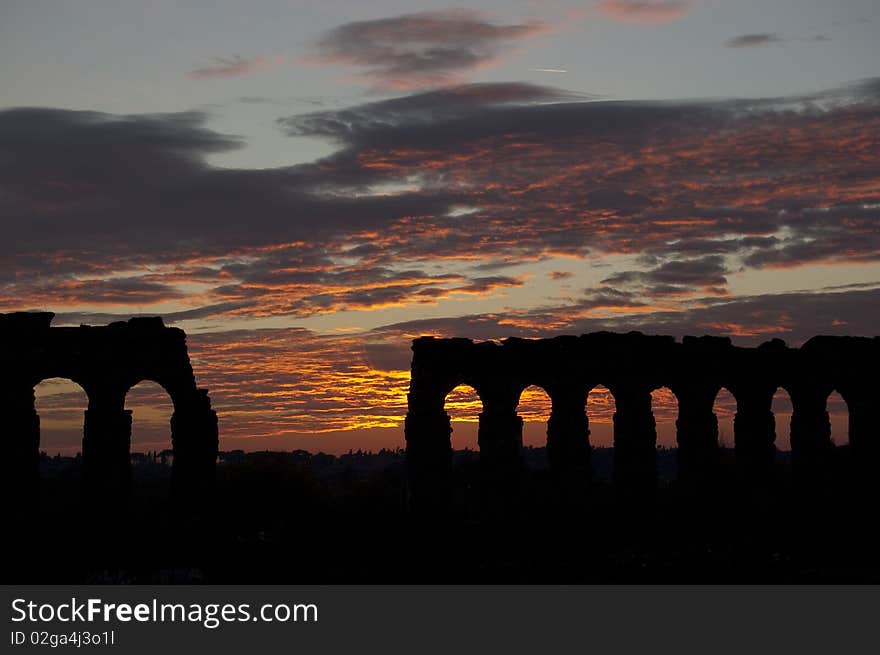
864,443
500,435
194,439
754,430
500,439
810,436
568,435
428,457
106,456
21,457
635,443
864,433
697,433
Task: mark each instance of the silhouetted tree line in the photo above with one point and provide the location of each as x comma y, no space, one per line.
318,518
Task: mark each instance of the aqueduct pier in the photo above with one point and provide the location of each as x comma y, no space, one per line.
631,366
106,361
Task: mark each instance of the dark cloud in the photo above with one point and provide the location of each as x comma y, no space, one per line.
754,40
771,38
80,177
368,123
123,291
89,191
424,49
472,111
169,317
677,276
499,175
824,234
482,285
712,177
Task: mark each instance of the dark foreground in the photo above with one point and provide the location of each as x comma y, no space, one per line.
297,518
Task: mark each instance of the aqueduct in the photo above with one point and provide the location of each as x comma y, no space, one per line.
106,361
631,366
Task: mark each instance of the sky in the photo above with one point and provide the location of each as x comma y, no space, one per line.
305,187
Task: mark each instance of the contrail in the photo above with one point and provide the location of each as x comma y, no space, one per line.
548,70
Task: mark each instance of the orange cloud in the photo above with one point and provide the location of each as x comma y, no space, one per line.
644,11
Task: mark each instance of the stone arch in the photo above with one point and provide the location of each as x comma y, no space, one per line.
630,366
175,378
664,406
535,407
194,426
838,413
60,407
782,409
861,398
724,407
601,405
106,361
665,409
60,404
463,406
151,407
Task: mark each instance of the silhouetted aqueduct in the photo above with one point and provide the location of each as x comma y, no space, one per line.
106,361
631,366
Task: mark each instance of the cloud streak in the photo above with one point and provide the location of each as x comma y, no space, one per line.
232,67
644,11
772,38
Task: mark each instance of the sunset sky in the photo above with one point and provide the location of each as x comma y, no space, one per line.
304,187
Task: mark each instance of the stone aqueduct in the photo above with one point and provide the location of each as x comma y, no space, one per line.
631,366
106,361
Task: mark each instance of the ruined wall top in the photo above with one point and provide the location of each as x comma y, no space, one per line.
618,360
107,359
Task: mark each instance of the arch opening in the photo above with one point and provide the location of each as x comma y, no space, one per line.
61,404
600,408
151,410
838,414
724,408
664,406
782,410
464,406
534,409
